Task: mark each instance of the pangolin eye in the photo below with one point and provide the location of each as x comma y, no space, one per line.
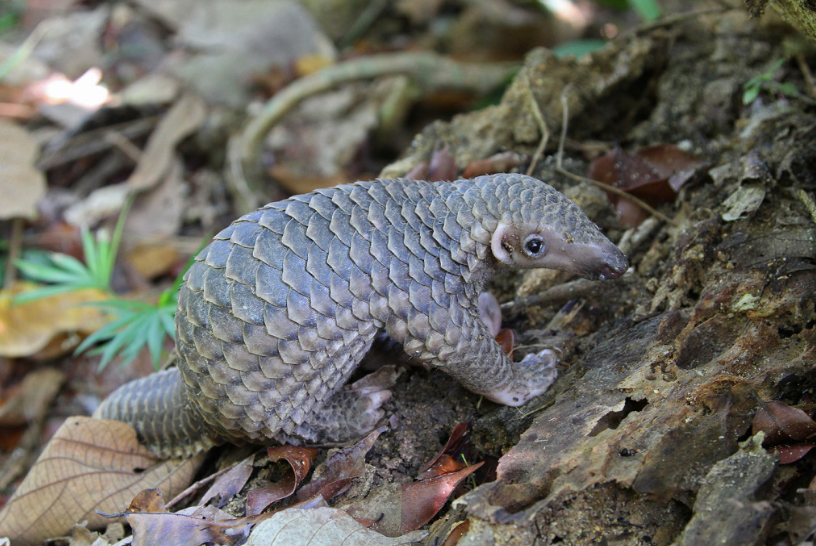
534,245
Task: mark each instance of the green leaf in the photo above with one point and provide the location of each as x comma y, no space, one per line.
578,48
750,94
788,89
649,10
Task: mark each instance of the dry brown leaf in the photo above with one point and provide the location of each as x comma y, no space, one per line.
152,524
23,332
22,185
422,500
153,259
458,444
30,402
230,483
321,527
182,119
782,424
89,465
300,460
342,464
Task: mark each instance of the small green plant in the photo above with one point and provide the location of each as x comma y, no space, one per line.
753,87
65,273
136,324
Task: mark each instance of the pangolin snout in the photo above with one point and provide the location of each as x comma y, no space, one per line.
613,264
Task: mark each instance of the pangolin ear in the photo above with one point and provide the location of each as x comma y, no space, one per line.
501,244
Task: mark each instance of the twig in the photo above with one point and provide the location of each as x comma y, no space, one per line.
427,70
807,74
542,125
564,124
674,19
620,192
606,187
580,288
15,242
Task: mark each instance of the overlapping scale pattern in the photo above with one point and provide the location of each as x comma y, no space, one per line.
278,310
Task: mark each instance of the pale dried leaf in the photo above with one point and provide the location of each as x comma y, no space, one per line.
230,483
23,332
30,402
89,465
183,118
22,185
321,527
160,211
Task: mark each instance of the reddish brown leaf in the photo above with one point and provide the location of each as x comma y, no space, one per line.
89,465
340,465
457,533
782,423
149,500
507,340
422,500
458,442
442,166
499,163
230,483
300,460
646,174
445,464
792,453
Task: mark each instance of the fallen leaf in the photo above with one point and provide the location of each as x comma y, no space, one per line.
457,445
321,527
154,259
230,483
791,454
507,340
180,121
30,402
499,163
152,524
422,500
457,533
300,460
782,424
179,530
647,174
89,465
341,464
160,211
22,185
23,332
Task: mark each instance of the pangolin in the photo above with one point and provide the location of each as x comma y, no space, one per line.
275,314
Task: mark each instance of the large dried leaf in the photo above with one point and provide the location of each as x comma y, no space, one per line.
23,332
89,465
182,119
22,185
321,527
